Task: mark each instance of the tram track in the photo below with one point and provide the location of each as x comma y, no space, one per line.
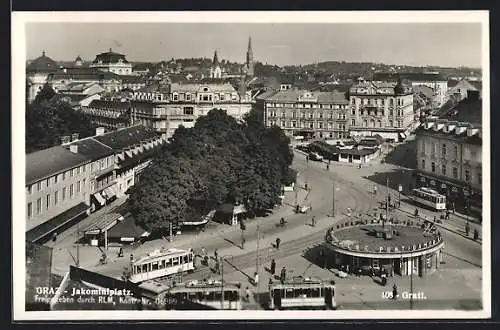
362,204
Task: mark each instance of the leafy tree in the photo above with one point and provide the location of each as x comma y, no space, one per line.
45,94
48,120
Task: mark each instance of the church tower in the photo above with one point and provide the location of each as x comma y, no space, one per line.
215,69
249,63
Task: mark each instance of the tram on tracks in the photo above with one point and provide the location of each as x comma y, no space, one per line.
161,263
428,197
211,294
302,292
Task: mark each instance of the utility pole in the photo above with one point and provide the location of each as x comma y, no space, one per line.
411,282
78,244
333,199
386,203
257,261
222,283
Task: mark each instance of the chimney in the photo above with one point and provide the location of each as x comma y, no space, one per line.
65,139
99,131
74,137
73,148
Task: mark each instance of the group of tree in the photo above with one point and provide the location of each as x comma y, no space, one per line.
219,160
49,118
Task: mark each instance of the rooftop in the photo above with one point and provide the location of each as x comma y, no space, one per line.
42,64
109,57
199,87
83,74
363,238
125,137
296,95
411,76
44,163
114,105
469,110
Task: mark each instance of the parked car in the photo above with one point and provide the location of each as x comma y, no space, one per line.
315,156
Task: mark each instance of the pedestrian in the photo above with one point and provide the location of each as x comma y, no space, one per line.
467,229
120,253
394,292
283,275
453,207
327,167
314,221
203,251
278,241
273,267
435,219
476,234
216,255
54,237
447,216
374,190
305,186
247,294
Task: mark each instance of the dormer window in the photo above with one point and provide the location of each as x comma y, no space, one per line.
176,97
205,89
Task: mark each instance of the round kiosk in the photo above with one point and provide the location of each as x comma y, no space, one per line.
401,247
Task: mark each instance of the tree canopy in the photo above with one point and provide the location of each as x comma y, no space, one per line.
219,160
48,119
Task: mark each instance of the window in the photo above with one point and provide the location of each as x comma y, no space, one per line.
71,191
188,111
443,169
379,123
455,151
56,197
391,112
84,182
38,186
391,123
176,97
77,170
47,204
78,187
467,175
443,150
30,210
38,206
294,124
455,173
71,172
353,122
353,112
423,164
30,189
63,193
64,176
283,114
391,102
433,167
55,178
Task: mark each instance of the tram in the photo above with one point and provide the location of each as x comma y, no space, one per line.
160,263
428,197
302,292
207,294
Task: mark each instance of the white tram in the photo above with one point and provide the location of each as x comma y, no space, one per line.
161,263
429,197
302,292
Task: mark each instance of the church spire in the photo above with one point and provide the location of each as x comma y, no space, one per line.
216,59
249,63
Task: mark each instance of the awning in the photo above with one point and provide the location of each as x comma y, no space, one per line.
105,223
109,191
50,226
99,198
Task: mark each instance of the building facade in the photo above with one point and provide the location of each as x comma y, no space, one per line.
308,114
384,108
109,114
112,62
449,160
66,182
37,73
433,80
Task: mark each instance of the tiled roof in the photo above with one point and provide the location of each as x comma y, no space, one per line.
463,137
467,110
411,76
42,64
83,74
115,105
132,79
109,57
126,228
198,87
293,95
122,138
266,94
44,163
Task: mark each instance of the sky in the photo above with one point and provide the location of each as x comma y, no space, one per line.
416,44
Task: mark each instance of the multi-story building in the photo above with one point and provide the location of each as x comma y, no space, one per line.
433,80
449,154
66,182
112,62
308,114
384,108
109,114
